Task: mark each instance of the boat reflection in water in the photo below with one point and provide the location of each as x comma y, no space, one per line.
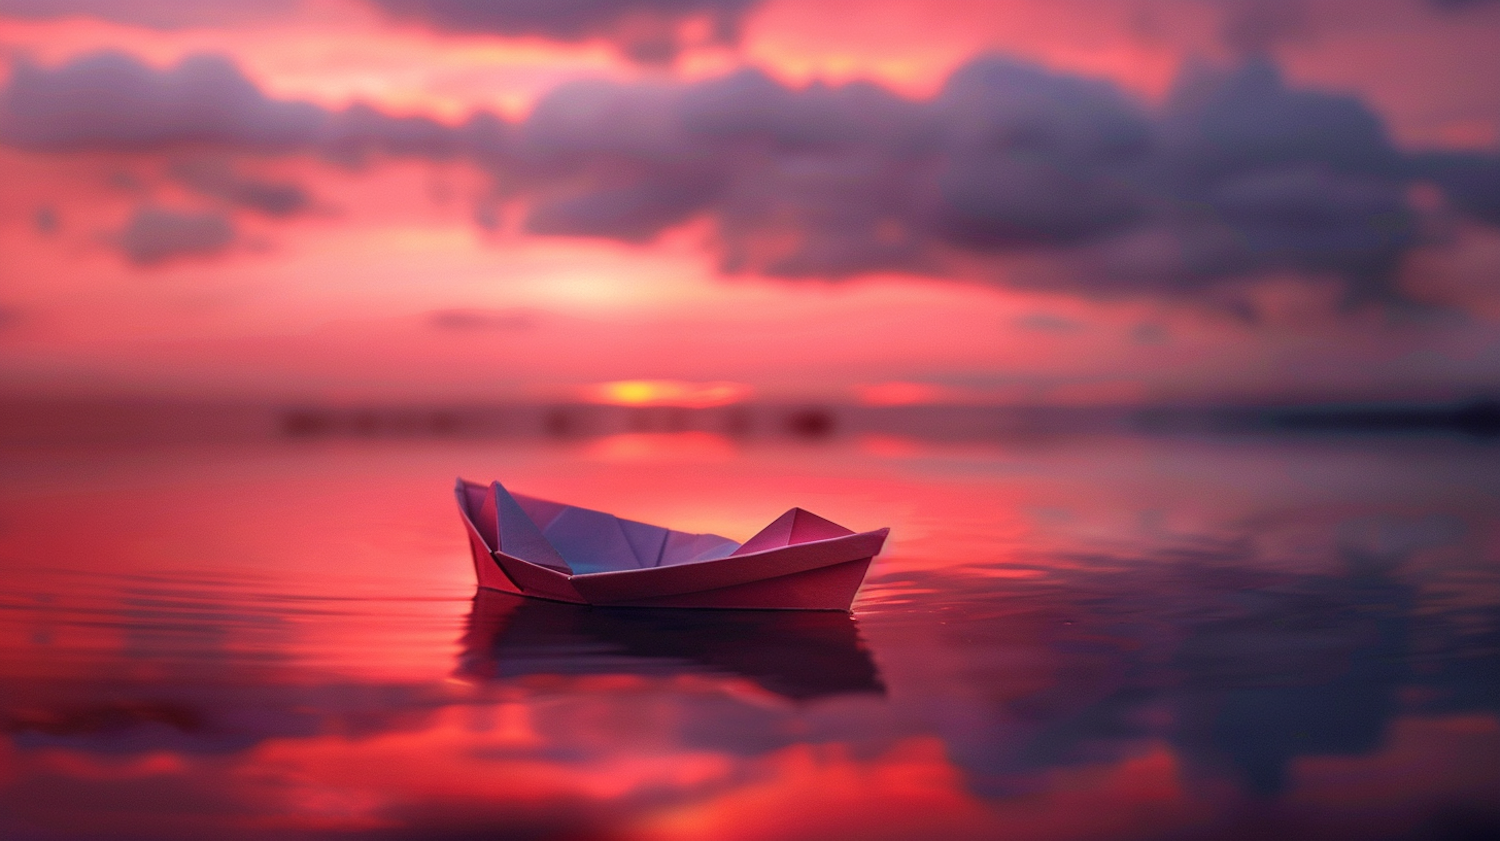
800,655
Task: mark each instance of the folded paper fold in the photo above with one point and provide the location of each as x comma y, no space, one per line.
549,550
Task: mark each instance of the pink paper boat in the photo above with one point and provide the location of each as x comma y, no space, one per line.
548,550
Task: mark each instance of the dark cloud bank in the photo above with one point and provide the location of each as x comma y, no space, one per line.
1236,175
159,14
645,30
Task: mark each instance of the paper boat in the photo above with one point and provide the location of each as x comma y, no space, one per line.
548,550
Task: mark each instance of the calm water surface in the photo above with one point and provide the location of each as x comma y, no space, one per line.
1088,637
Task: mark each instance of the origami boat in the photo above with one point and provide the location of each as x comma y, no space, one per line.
547,550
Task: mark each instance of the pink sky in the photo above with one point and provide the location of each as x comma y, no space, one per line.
382,285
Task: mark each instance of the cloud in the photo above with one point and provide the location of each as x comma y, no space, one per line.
1471,180
1315,217
155,235
1456,5
801,183
1252,28
484,320
645,30
360,130
111,100
159,14
1254,176
217,178
1223,122
819,181
1046,322
205,107
1238,174
1034,158
45,220
604,159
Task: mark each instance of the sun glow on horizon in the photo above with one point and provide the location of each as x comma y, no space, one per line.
689,395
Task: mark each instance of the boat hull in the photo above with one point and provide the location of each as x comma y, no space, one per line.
826,588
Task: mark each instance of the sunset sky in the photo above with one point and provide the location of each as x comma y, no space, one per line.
1013,201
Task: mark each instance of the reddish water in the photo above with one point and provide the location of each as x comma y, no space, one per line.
1091,637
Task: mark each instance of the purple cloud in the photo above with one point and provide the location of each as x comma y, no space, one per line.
111,100
155,235
1237,174
217,178
484,320
159,14
645,30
